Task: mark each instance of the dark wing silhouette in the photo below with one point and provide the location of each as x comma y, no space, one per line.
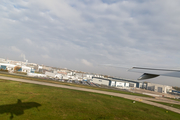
18,108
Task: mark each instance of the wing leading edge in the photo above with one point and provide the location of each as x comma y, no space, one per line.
152,73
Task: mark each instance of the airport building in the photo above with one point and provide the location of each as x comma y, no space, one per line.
125,83
5,66
101,81
132,83
11,67
116,82
157,87
36,75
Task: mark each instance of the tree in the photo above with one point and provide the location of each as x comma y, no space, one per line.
16,68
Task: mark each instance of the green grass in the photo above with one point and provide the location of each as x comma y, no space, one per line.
58,103
174,99
71,84
169,104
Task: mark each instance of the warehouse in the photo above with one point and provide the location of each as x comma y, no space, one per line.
5,66
10,67
132,83
118,83
36,75
101,81
157,87
26,69
50,74
112,82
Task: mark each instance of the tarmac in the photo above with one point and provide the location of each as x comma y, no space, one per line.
131,97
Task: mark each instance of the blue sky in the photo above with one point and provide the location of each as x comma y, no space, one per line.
83,34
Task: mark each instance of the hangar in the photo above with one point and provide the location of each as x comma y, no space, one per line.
101,81
132,83
116,82
121,83
157,87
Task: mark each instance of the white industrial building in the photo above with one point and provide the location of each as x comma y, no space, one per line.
157,87
100,76
10,67
125,83
89,76
112,82
101,81
59,76
36,75
118,84
132,83
26,69
50,74
6,66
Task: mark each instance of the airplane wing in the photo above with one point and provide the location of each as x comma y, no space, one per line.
152,73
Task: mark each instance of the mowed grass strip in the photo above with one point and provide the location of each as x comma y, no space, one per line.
168,104
174,99
72,84
58,103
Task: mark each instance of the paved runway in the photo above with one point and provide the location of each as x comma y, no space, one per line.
131,97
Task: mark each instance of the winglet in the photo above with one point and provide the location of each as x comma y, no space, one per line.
147,76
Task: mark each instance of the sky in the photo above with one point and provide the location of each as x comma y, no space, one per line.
88,35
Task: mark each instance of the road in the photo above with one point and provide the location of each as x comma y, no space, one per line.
131,97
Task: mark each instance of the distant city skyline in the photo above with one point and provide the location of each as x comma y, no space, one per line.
83,35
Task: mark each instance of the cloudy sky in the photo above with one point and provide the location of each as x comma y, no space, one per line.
84,34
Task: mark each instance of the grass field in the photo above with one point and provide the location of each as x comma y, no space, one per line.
57,103
71,84
169,104
174,99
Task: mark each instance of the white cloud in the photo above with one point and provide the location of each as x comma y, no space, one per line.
45,49
118,32
45,56
29,41
15,49
85,62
